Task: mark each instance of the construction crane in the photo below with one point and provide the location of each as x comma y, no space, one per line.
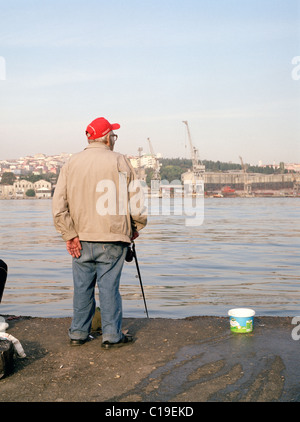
198,168
247,186
156,170
197,174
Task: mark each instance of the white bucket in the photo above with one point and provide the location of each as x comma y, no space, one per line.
241,320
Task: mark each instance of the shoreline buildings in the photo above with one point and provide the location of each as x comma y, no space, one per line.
229,183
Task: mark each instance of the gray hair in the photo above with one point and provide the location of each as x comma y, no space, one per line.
102,139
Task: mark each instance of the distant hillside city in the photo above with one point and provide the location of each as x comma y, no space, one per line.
36,176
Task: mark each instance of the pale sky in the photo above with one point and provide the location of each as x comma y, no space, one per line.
225,66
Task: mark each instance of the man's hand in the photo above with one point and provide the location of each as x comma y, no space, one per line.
135,235
74,247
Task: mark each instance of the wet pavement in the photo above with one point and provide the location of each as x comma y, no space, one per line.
190,360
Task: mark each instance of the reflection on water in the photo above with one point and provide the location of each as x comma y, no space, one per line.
246,253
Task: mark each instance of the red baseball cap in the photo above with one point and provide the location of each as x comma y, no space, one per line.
100,127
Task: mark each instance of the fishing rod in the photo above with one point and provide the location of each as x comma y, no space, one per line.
139,274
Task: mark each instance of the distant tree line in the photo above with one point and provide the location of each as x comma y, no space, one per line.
8,178
49,177
172,168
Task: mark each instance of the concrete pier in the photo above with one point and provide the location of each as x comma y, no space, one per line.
190,360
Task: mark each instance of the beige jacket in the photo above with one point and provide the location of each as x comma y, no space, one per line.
96,197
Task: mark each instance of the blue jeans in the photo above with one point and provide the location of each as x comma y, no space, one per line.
99,263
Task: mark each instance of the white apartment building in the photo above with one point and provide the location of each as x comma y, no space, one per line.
42,189
6,191
21,187
146,160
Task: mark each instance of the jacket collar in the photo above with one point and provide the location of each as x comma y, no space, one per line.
97,145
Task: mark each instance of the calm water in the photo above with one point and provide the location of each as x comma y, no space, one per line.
245,254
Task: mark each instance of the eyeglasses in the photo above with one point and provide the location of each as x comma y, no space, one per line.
114,137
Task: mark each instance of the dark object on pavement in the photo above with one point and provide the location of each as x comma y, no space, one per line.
6,357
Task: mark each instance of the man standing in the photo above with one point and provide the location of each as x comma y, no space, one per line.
94,212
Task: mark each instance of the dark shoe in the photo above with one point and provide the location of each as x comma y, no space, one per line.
126,339
77,342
